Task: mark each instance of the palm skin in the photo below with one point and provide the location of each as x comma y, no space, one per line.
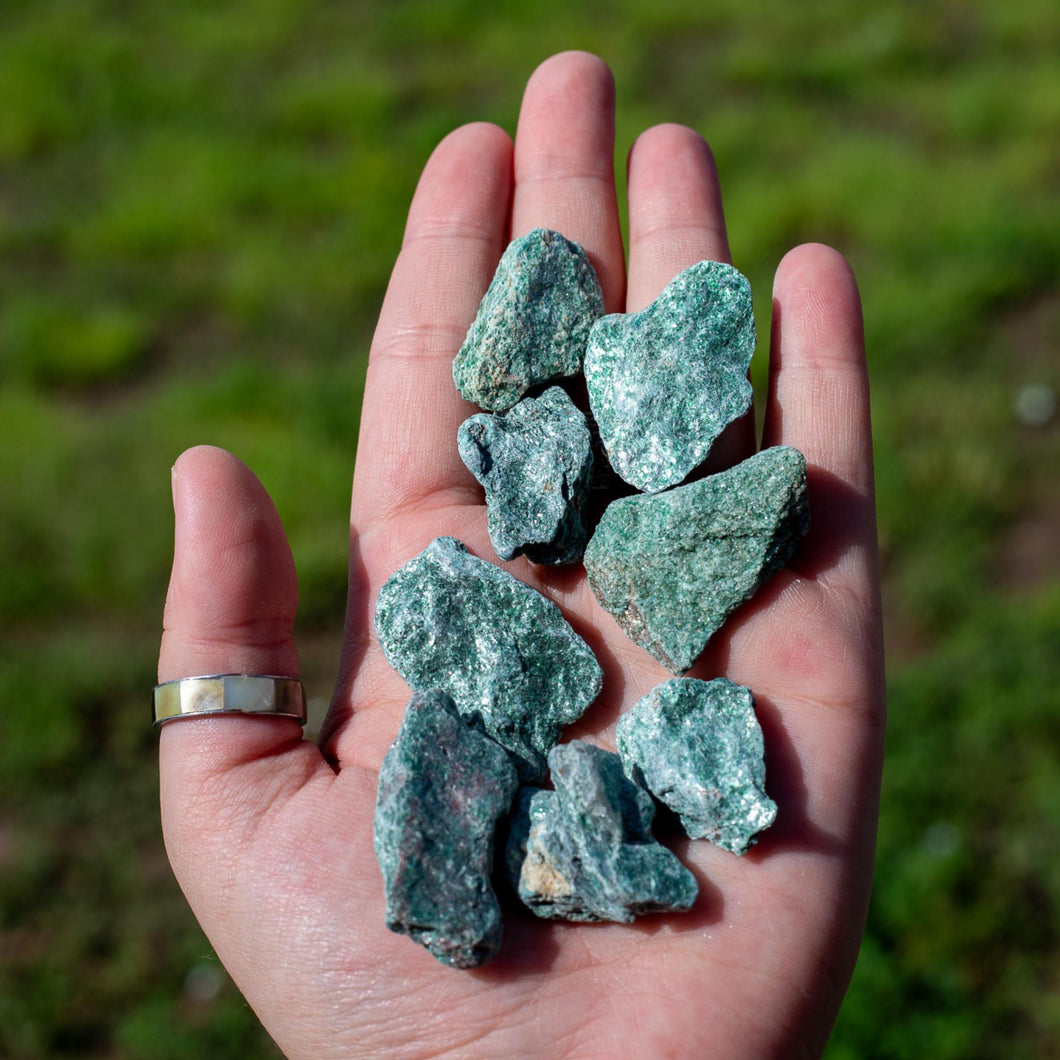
270,835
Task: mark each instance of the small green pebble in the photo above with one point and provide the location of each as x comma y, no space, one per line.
665,382
533,322
442,789
697,747
535,464
672,566
585,851
505,653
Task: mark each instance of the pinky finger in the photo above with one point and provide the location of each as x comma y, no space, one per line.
818,402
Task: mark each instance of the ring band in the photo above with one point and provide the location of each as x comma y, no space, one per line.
279,697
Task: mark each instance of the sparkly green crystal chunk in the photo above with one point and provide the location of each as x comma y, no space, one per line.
442,789
505,653
665,382
533,322
672,566
585,851
697,747
535,464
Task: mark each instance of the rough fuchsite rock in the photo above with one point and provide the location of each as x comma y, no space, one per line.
585,851
442,789
450,621
672,566
533,322
665,382
535,464
697,747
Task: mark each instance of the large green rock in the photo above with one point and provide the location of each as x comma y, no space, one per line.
533,322
442,789
697,747
504,652
665,382
585,851
672,566
535,464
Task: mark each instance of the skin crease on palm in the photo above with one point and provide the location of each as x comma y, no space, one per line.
270,835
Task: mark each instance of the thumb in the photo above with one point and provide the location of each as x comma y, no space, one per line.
230,609
233,592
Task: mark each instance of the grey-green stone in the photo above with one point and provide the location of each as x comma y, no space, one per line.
665,382
533,322
535,464
442,789
585,851
505,653
697,747
672,566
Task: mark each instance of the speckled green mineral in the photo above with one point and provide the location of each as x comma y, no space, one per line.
665,382
442,789
533,322
535,464
505,653
697,747
585,851
672,566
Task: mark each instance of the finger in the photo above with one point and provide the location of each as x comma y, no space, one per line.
233,592
565,163
230,609
455,234
675,220
810,643
248,831
675,214
818,402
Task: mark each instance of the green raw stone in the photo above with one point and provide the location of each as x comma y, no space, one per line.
505,653
697,747
533,322
665,382
585,851
535,464
672,566
442,789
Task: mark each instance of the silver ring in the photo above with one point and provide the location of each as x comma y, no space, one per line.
279,697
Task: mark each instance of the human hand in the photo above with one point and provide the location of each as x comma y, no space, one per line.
270,835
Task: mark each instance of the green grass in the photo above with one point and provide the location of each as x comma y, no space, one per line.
199,207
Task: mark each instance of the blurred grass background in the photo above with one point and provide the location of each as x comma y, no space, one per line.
199,207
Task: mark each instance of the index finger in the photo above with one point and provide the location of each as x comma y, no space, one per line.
456,231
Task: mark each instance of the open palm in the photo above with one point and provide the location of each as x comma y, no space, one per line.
271,836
